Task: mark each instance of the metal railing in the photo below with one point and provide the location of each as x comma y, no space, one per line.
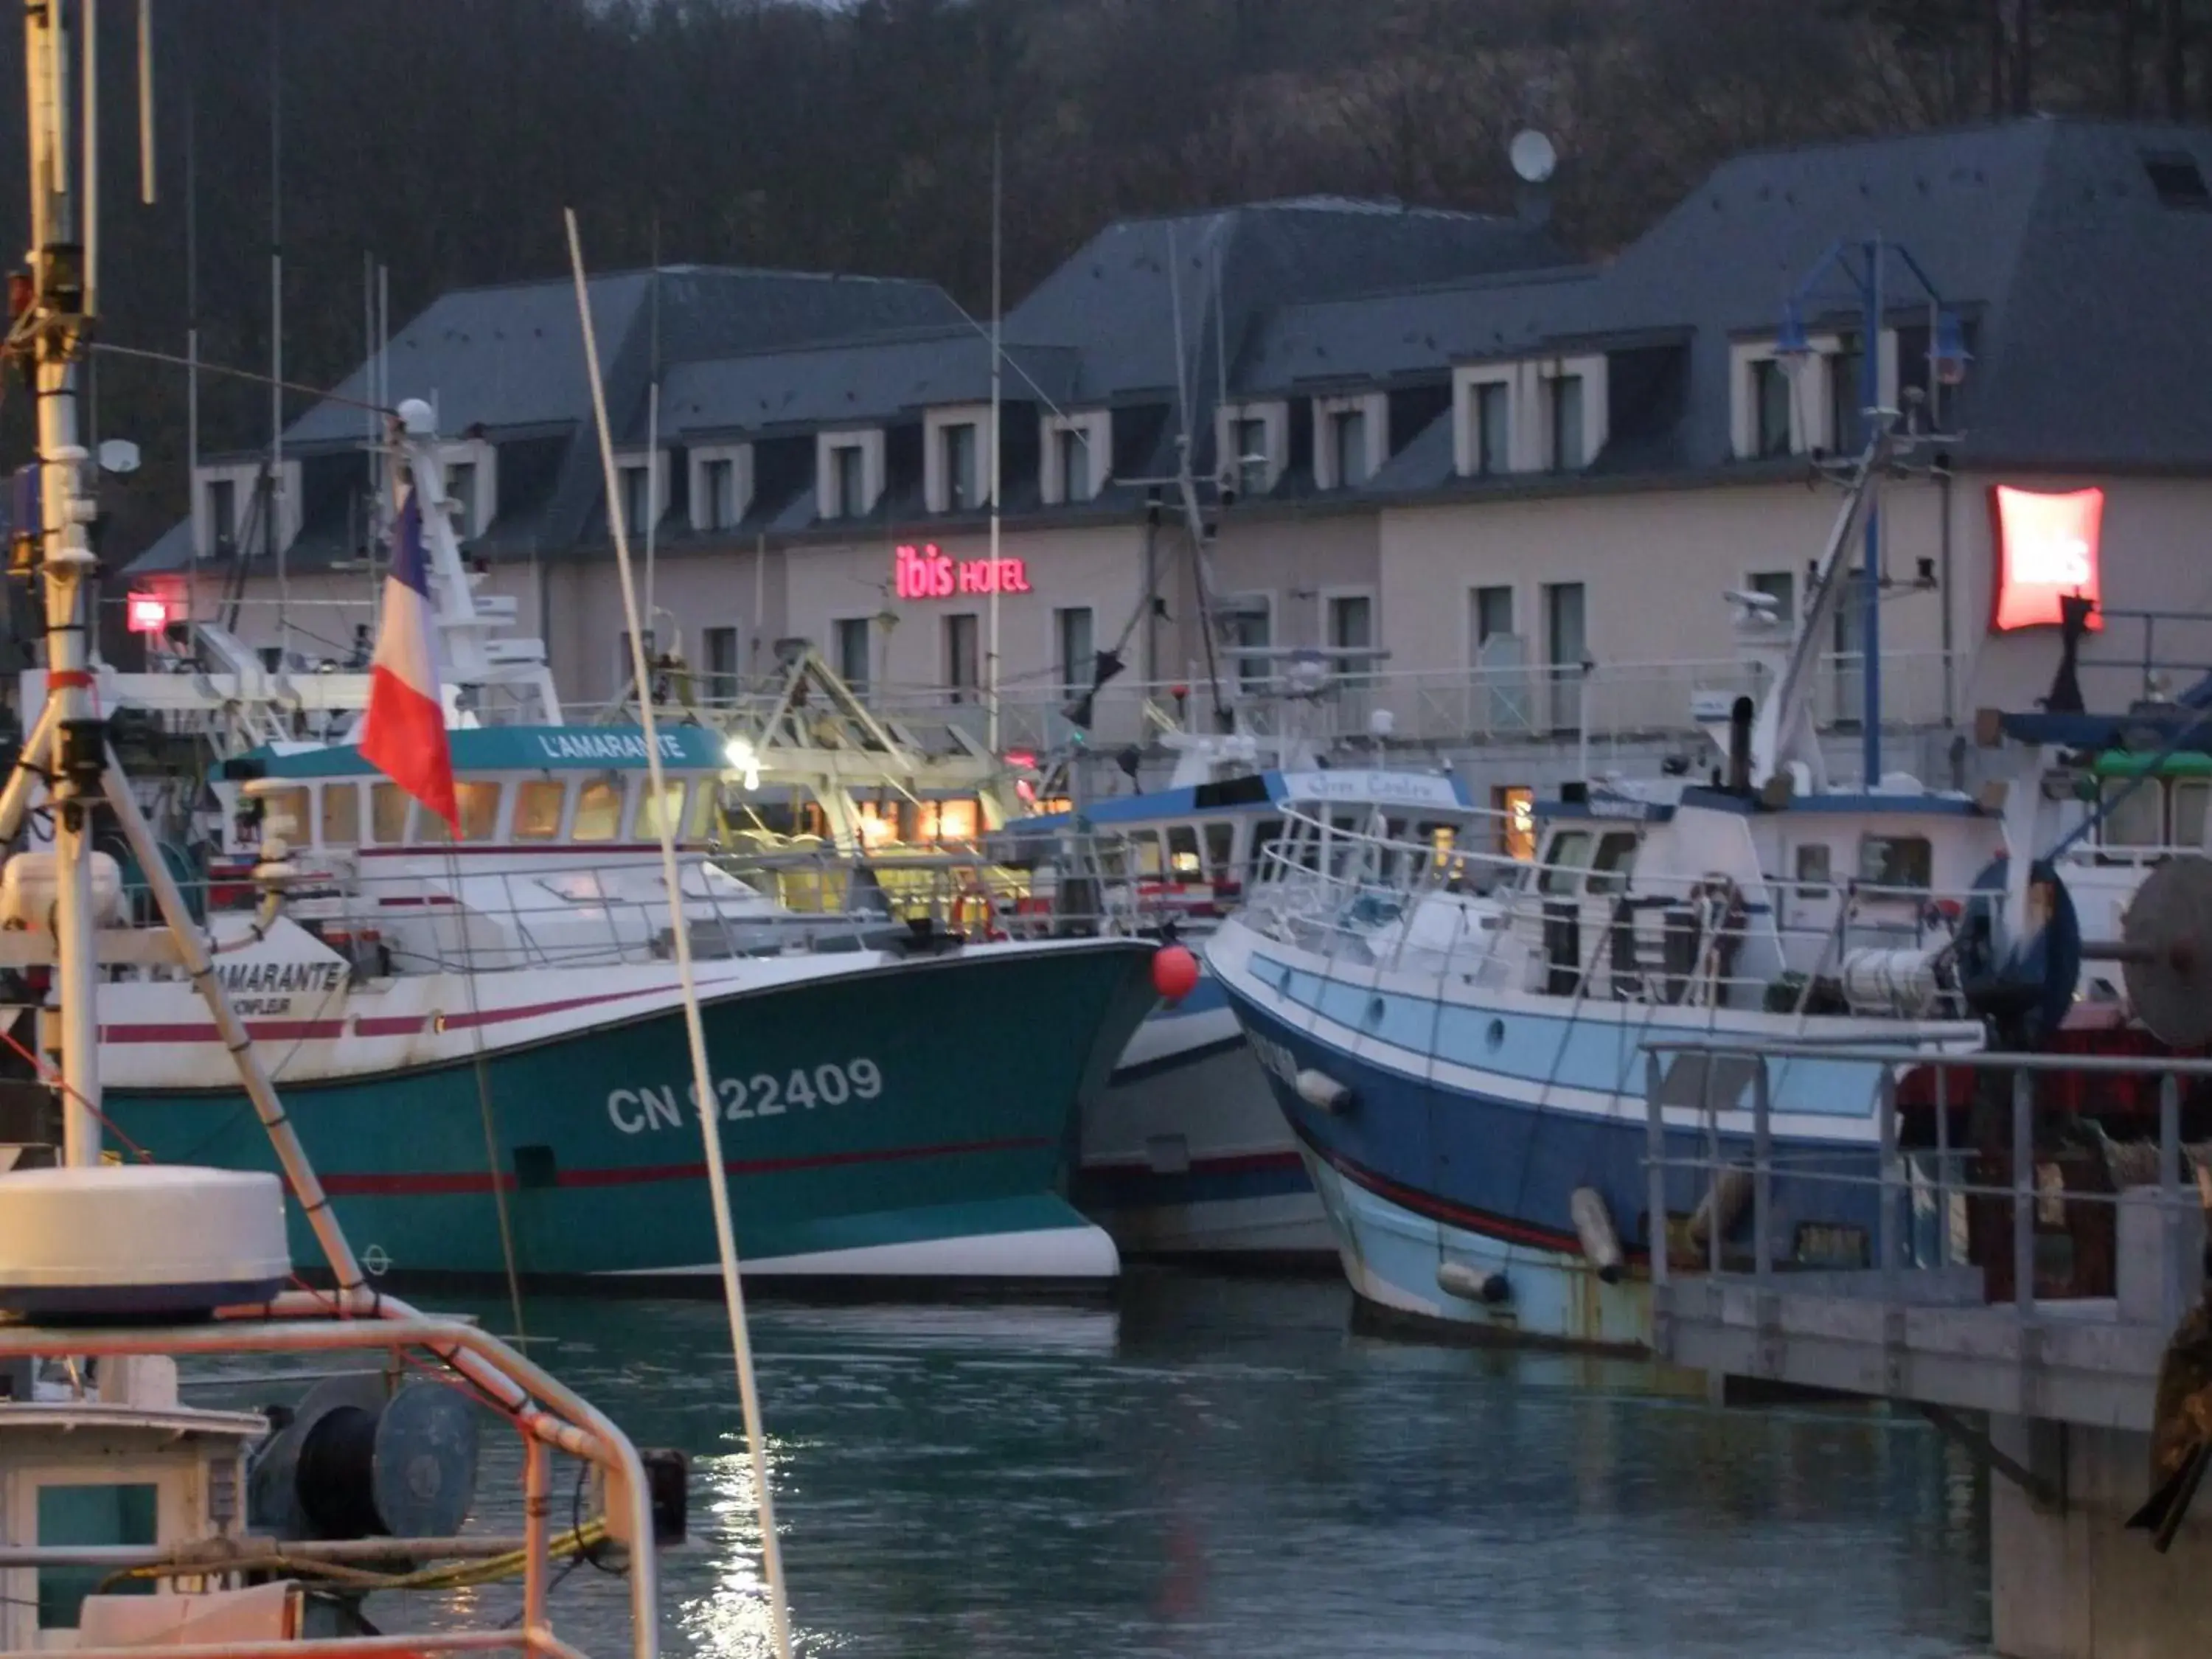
1387,901
1936,1174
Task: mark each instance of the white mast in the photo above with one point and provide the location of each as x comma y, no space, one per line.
997,315
77,756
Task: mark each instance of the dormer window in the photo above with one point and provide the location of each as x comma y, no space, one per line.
637,502
963,490
1771,400
1074,461
848,488
1352,439
1846,367
721,485
1490,408
1251,456
221,497
1563,400
233,504
1254,442
1816,403
1078,455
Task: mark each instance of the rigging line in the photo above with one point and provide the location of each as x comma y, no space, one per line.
179,360
718,1177
485,1111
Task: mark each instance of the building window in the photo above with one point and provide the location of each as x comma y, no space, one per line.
720,481
1565,397
1566,646
962,491
1352,628
1250,434
963,660
1074,446
1493,616
637,499
1249,625
1781,587
719,647
1078,663
1348,431
1490,442
848,486
222,512
851,652
461,498
1770,402
1846,398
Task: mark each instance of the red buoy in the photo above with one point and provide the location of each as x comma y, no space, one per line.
1174,973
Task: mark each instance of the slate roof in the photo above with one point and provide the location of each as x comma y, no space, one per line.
2074,249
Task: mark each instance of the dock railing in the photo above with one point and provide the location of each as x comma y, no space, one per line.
1991,1276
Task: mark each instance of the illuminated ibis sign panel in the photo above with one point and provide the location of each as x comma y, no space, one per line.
2048,548
926,571
148,613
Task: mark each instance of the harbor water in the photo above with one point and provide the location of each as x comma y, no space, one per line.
1226,1466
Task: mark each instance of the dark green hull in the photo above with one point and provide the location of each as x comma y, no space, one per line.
911,1122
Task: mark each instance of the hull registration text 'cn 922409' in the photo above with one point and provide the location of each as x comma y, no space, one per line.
764,1094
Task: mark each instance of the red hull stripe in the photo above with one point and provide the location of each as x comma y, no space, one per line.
432,1184
1433,1208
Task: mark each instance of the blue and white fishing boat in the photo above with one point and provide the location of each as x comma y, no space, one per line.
1184,1153
1465,1071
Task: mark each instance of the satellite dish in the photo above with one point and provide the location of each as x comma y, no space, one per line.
1534,157
118,455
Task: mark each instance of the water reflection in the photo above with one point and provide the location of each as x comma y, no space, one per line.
1222,1466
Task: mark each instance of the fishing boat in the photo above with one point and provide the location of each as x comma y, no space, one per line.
482,1032
1466,1071
1184,1153
137,1522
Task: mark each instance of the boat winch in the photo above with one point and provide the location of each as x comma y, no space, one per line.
357,1459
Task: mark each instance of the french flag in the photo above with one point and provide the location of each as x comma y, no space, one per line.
405,734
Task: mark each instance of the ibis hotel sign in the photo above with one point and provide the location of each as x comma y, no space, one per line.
2049,549
926,571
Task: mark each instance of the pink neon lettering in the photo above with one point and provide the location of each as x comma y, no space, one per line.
927,571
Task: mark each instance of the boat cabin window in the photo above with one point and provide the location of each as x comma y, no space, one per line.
1615,863
1266,834
1811,870
341,814
1905,861
538,803
1182,851
1145,847
84,1515
476,805
649,809
284,812
1221,852
387,814
2135,814
2189,799
1565,859
598,810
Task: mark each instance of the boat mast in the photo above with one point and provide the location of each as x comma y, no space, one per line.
68,731
998,376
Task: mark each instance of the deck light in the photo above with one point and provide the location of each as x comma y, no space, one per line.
745,761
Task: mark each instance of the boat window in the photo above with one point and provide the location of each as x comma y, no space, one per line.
649,809
1182,851
341,814
85,1515
387,814
2135,814
598,810
700,823
1264,835
538,808
1564,861
1812,870
476,805
1220,852
284,812
1145,845
2189,796
1897,861
1615,863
